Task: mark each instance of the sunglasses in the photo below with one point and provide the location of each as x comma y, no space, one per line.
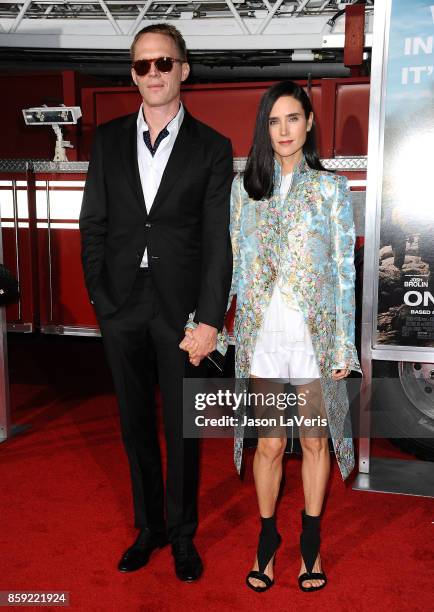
162,64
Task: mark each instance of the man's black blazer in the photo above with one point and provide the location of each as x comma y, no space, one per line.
186,231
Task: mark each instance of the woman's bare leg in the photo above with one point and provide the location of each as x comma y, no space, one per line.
267,467
315,469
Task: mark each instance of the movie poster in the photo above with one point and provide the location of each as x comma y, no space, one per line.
406,258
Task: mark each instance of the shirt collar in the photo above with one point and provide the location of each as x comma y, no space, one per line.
172,127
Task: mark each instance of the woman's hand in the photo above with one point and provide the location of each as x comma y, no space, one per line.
191,346
199,342
339,374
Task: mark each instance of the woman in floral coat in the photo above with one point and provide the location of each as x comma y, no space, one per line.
293,242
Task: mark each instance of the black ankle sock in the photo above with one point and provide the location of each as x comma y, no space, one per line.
269,541
310,540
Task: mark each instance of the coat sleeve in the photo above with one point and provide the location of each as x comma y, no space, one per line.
216,269
343,239
235,231
93,217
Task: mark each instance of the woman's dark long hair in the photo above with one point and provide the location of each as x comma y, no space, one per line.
259,172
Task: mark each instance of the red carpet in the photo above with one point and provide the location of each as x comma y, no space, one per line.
66,511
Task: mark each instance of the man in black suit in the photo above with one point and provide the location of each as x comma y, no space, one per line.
156,247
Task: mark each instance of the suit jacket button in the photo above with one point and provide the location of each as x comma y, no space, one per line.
147,225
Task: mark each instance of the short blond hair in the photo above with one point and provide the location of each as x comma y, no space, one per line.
167,30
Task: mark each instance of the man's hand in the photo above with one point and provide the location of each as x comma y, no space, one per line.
199,342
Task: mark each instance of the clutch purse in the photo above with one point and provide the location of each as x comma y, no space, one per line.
217,357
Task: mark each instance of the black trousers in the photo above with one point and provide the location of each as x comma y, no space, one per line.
138,341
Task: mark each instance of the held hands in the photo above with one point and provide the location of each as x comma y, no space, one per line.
199,342
339,374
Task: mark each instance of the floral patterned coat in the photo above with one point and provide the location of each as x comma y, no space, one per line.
306,243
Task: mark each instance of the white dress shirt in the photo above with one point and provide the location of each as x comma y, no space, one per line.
151,168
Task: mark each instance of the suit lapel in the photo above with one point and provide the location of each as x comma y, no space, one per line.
179,160
129,157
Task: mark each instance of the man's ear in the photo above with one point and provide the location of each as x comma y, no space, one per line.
133,76
185,71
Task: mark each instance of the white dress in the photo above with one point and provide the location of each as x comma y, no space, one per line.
284,347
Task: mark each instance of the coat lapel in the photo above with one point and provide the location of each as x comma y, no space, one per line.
128,146
296,203
179,160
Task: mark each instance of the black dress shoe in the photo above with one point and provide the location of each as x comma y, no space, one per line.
188,564
138,554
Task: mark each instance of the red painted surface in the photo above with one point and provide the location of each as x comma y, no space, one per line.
231,109
354,34
19,140
326,119
71,304
352,118
25,90
60,268
70,98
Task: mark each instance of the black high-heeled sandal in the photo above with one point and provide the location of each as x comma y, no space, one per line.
269,542
309,545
